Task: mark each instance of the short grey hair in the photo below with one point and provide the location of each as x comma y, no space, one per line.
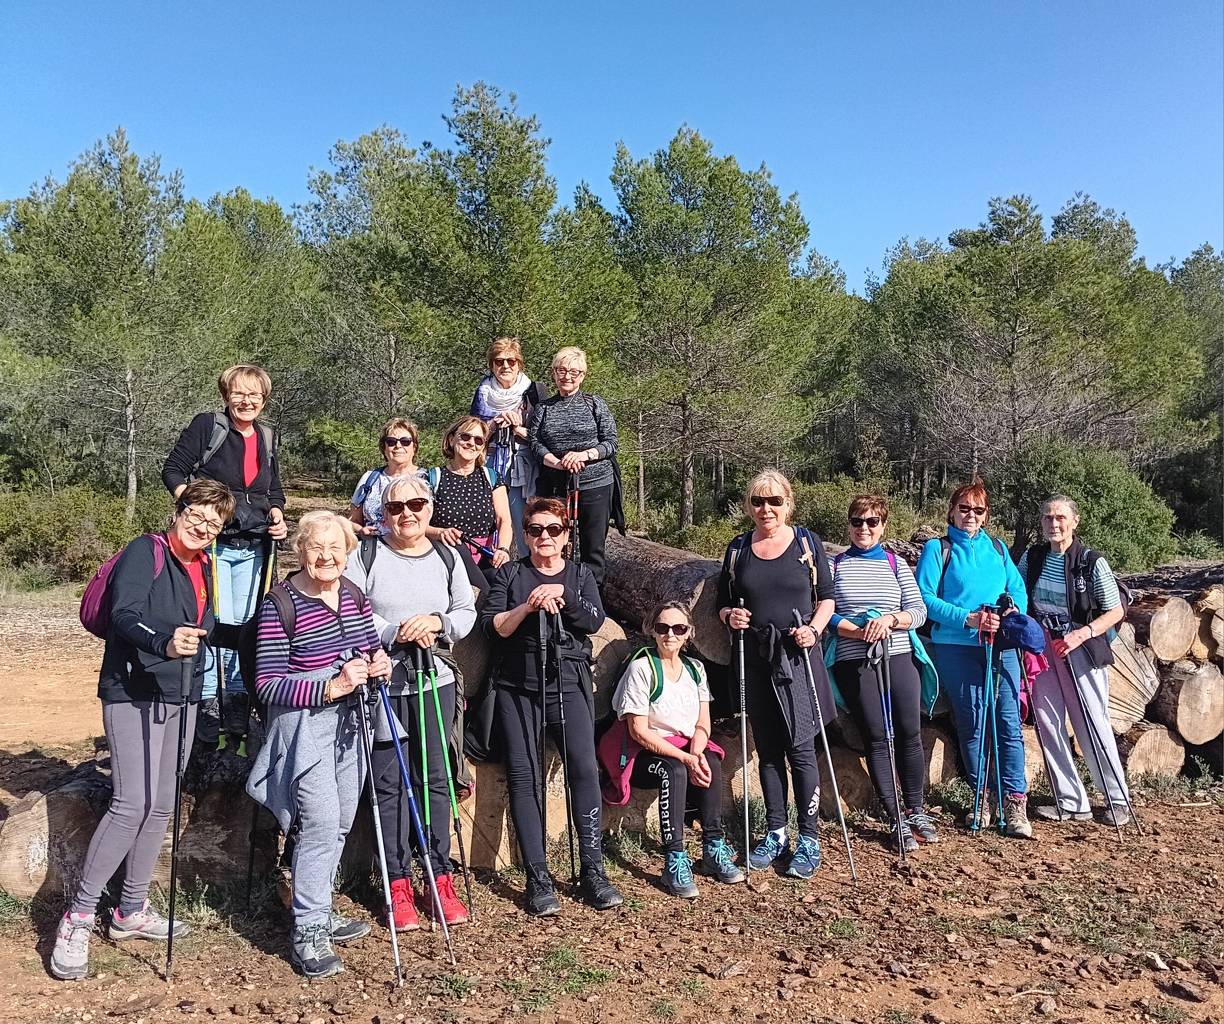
1060,499
321,520
407,487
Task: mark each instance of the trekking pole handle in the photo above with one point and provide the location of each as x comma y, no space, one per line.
427,659
482,548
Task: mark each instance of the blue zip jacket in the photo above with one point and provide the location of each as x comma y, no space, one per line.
976,575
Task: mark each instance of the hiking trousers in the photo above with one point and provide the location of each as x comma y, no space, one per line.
239,579
670,778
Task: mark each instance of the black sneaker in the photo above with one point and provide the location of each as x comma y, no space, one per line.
596,889
346,929
903,837
541,893
312,952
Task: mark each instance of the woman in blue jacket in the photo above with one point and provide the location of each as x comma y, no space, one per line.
959,577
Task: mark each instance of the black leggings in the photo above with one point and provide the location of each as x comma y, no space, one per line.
399,837
670,778
857,682
776,752
517,716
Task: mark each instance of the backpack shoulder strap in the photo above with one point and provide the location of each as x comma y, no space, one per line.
492,476
269,438
286,610
693,670
945,556
369,551
434,476
1036,555
355,592
220,428
446,553
892,563
734,550
998,546
808,543
364,490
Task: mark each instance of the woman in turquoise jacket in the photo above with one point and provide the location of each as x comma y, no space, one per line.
958,577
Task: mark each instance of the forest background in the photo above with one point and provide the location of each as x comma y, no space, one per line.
1038,351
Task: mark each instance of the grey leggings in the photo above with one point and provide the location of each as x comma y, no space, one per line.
143,738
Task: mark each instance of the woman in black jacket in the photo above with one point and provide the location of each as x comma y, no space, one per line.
159,583
233,448
546,583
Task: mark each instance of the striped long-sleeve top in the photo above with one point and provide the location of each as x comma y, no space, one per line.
864,579
287,668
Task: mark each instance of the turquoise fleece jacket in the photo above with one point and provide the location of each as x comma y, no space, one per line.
976,576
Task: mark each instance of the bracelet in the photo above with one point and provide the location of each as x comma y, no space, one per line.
500,548
1090,632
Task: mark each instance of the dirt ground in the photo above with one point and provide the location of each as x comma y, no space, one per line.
1075,927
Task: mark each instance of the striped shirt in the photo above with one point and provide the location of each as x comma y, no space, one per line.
1050,589
863,580
320,638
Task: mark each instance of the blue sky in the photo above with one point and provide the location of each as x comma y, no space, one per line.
889,119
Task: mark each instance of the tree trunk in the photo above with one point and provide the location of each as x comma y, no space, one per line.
129,413
641,472
1133,681
1165,623
1151,749
1191,701
686,465
720,481
853,783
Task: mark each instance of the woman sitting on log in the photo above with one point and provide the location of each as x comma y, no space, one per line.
768,573
961,577
546,584
399,442
1075,597
662,741
417,597
310,659
159,582
878,601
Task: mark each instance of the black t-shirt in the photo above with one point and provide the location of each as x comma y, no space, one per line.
465,502
773,588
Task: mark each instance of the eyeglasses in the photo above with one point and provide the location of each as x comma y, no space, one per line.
476,439
396,508
561,371
255,397
200,521
977,510
773,500
872,521
398,442
663,628
508,361
538,530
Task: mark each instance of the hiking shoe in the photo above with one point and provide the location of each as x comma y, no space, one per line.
541,893
312,952
596,889
1048,812
902,839
70,957
1116,816
346,929
768,850
718,861
403,909
677,878
452,907
983,820
1015,810
806,859
145,923
922,825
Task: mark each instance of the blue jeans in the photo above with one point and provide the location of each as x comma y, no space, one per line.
239,575
962,674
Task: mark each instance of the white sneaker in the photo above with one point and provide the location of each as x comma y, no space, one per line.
70,958
145,923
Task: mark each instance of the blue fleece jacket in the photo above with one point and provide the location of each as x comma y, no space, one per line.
976,575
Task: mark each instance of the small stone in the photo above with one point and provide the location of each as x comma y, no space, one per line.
240,1009
1046,1007
1006,943
790,956
730,970
931,1017
785,994
898,969
929,992
732,929
1180,963
1184,990
1153,960
951,938
1043,945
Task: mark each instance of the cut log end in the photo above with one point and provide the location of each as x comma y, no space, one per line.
1151,749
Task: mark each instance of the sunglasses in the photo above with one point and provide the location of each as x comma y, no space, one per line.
773,500
977,510
857,521
398,442
476,439
510,361
663,628
395,508
538,530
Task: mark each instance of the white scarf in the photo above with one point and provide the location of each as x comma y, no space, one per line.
494,399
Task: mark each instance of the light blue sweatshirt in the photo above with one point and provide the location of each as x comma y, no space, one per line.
976,575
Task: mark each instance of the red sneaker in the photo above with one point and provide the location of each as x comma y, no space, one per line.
402,909
452,906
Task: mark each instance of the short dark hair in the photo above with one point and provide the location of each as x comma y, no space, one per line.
974,491
551,506
869,504
208,492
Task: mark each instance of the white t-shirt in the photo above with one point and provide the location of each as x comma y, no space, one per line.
675,712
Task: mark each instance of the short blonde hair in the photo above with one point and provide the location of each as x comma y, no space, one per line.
770,480
670,606
244,371
321,520
570,356
406,487
505,346
398,423
461,424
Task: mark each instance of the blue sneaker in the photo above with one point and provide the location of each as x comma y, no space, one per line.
677,877
806,859
718,861
767,851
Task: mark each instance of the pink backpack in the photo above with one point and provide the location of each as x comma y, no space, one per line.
96,600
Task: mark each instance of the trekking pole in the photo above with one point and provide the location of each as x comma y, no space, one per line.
807,666
558,634
992,708
741,678
877,656
268,579
186,676
979,782
484,549
425,850
216,607
1027,683
443,732
571,504
417,661
542,737
365,705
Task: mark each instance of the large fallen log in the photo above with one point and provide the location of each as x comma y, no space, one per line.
1191,701
1165,623
1133,681
1151,749
1182,580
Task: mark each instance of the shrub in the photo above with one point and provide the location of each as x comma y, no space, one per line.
1199,547
822,507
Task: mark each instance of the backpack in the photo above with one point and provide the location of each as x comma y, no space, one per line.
807,542
220,430
369,551
434,476
95,611
364,490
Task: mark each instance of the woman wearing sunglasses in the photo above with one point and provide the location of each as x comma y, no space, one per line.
398,441
505,400
867,580
546,581
417,602
777,569
663,701
469,498
961,578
